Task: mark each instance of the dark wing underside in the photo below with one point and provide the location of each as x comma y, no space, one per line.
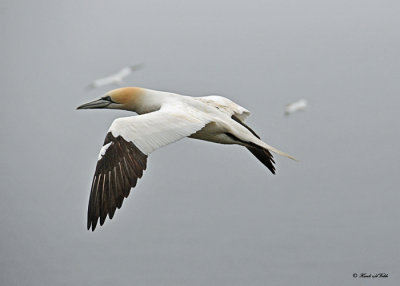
117,171
263,155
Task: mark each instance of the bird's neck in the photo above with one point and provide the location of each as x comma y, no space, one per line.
149,101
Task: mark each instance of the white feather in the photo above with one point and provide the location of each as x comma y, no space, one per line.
156,129
103,150
226,105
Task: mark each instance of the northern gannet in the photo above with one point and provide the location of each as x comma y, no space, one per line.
298,105
116,78
163,118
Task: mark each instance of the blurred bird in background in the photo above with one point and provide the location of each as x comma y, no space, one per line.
299,105
116,79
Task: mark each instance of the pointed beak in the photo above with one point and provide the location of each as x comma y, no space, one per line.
99,103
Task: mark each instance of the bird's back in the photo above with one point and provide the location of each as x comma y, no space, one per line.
225,105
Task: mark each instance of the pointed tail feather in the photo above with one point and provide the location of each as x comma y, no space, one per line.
273,149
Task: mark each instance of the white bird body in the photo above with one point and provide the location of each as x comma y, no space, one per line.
163,118
298,105
116,79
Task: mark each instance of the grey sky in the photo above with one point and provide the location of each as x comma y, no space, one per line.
204,214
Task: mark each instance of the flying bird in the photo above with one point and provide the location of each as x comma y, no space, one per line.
116,78
163,118
298,105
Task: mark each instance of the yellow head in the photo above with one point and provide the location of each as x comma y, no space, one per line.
121,98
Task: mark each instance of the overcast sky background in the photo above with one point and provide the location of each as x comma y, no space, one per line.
204,214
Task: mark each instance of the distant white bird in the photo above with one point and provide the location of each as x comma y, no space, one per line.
164,118
298,105
116,78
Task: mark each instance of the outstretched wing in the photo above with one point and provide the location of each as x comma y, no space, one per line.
123,157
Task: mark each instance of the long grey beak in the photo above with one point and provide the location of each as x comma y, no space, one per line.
99,103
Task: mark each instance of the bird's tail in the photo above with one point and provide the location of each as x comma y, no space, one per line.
259,148
273,149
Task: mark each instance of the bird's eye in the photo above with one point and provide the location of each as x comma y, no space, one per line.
108,98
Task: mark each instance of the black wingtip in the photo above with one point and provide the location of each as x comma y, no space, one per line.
117,171
91,225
